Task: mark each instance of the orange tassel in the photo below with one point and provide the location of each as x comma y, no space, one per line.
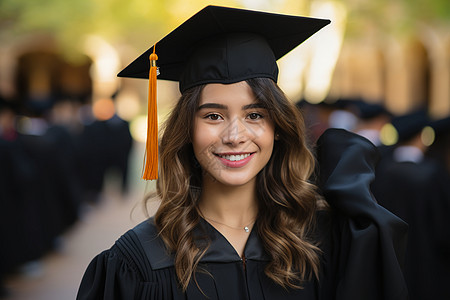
151,152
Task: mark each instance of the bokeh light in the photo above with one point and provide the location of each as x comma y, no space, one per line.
428,136
388,135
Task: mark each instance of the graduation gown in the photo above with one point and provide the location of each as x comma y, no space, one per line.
362,246
419,193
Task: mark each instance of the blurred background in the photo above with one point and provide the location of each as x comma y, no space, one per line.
72,133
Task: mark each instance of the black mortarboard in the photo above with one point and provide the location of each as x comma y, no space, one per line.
220,45
410,124
226,45
441,126
367,110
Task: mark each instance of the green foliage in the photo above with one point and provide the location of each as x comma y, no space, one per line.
136,22
70,21
394,17
429,9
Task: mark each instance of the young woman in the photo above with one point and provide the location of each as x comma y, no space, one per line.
240,216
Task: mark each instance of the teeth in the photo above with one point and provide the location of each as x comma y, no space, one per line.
235,157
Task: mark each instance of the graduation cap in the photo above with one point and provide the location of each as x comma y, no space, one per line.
367,110
217,45
410,124
441,126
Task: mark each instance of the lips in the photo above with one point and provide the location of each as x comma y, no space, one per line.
234,160
234,157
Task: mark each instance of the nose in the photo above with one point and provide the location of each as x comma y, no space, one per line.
235,133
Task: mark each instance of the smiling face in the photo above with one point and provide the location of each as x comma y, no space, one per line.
233,134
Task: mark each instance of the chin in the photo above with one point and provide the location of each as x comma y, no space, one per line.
232,179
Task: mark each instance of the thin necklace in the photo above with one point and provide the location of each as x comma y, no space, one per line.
246,228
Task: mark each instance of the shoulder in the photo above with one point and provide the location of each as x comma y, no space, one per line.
127,251
125,271
146,227
140,249
139,246
346,168
343,150
346,171
153,247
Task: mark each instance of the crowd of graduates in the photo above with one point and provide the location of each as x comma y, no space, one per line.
412,180
54,156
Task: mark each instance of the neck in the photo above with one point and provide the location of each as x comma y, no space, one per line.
230,205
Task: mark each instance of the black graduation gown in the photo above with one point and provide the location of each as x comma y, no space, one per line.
101,146
362,244
419,193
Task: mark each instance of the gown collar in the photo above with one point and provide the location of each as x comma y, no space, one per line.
220,250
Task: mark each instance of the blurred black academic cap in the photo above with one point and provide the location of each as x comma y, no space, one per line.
342,103
441,126
368,110
410,124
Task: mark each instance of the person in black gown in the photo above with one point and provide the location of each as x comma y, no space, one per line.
241,214
416,187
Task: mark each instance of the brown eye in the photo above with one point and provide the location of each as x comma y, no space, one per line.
214,117
255,116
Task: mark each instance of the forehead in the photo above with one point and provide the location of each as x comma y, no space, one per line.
236,93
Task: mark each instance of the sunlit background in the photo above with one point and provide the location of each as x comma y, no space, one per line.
58,66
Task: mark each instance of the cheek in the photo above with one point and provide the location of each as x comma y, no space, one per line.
203,140
268,144
264,136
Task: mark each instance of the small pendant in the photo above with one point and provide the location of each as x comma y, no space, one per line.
246,229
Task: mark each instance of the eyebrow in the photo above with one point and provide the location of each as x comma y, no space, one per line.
212,105
221,106
252,106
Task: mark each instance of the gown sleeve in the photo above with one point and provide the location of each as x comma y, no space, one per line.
364,244
108,277
123,272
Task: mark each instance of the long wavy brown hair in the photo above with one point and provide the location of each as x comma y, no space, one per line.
287,200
